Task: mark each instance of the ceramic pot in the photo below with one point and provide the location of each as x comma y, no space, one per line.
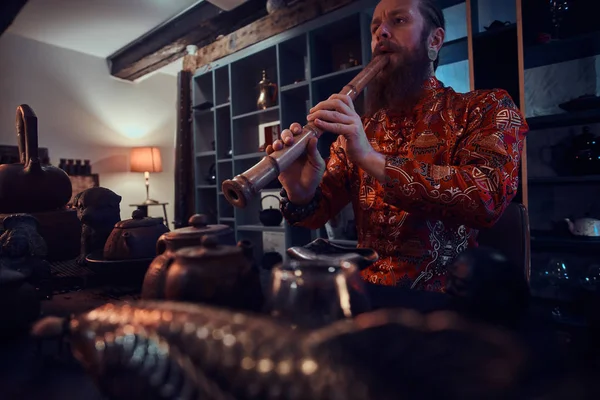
28,186
134,238
170,242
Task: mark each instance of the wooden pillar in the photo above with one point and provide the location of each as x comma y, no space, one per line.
184,148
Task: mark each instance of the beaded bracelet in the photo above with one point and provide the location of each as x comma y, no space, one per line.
295,213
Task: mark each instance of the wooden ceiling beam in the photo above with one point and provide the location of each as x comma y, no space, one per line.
199,25
8,12
264,28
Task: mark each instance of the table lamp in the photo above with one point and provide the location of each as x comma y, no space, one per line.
146,160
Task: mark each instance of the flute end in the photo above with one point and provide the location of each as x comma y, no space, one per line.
237,191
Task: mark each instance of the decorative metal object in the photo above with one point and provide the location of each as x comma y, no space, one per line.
171,350
267,96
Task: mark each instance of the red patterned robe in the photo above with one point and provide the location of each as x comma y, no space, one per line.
452,167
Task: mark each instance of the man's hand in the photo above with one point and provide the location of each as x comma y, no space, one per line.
337,115
301,179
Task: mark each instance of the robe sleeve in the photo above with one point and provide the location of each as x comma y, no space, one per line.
483,174
334,187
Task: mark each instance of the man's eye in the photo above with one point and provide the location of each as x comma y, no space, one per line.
399,20
374,28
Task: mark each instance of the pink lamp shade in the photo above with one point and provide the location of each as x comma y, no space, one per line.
145,159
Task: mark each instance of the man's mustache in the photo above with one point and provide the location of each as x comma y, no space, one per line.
385,47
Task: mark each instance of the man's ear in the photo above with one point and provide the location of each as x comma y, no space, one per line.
436,39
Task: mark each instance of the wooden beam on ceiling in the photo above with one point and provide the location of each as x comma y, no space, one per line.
8,12
266,27
199,25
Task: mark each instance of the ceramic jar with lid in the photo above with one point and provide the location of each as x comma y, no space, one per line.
168,243
209,273
135,238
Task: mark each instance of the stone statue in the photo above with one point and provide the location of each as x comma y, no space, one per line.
23,249
98,209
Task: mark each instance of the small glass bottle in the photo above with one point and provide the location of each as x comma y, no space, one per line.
87,168
70,167
77,170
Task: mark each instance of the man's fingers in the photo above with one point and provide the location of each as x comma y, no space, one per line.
287,137
330,116
277,145
269,149
296,128
334,127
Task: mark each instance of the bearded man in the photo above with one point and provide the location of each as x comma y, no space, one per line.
425,168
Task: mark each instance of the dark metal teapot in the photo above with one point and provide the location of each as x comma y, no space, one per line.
270,216
170,242
135,238
28,186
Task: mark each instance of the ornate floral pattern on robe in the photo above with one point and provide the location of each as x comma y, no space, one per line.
452,167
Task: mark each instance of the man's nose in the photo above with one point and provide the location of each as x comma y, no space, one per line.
383,32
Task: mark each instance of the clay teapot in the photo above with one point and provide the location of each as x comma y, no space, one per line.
168,243
28,186
216,274
135,238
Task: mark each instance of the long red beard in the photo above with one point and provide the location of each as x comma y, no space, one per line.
399,87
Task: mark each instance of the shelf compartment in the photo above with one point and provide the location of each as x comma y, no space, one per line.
204,131
223,132
454,51
202,91
206,203
293,60
245,76
246,131
295,104
203,167
222,91
581,46
225,209
333,45
564,119
224,172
